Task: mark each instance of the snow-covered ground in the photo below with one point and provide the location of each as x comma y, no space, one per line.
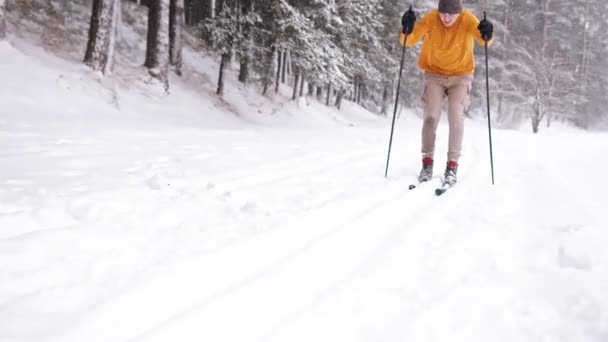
126,215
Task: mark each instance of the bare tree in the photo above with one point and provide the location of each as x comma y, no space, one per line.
102,35
157,49
176,22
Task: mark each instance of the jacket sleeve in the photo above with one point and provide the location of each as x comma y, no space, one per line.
474,31
421,28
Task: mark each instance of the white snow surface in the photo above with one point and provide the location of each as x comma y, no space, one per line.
128,215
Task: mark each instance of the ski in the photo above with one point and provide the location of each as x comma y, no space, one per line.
417,184
443,189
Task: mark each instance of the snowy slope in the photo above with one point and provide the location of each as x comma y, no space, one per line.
126,215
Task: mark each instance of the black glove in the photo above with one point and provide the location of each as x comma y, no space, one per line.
486,29
408,20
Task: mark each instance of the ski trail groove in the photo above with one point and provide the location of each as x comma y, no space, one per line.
270,269
279,270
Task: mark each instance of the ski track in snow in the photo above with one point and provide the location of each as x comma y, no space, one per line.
310,264
275,273
94,207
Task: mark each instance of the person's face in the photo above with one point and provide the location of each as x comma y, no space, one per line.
448,19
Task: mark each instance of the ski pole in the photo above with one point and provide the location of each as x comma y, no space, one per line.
396,99
488,101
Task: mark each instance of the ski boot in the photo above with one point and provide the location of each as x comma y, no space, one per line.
426,174
449,176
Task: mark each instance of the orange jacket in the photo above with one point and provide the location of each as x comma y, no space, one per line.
446,50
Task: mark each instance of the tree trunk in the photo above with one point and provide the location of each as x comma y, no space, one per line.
153,18
339,98
319,93
176,23
535,125
102,35
537,116
220,81
295,83
244,69
284,66
385,94
328,94
500,106
189,12
197,10
311,89
584,61
157,51
278,76
545,27
268,68
2,19
218,5
247,7
207,9
302,76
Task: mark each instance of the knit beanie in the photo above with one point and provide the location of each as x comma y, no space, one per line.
450,6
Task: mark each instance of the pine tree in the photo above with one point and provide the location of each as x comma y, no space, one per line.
246,23
359,36
273,40
268,50
222,31
315,51
102,35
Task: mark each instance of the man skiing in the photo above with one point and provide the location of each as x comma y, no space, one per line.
447,58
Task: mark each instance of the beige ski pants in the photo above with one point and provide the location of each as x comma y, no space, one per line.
436,88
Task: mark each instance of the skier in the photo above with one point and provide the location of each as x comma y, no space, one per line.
447,59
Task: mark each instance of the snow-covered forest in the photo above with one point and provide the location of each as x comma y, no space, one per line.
546,64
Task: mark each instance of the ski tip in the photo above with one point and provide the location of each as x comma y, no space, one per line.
412,186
